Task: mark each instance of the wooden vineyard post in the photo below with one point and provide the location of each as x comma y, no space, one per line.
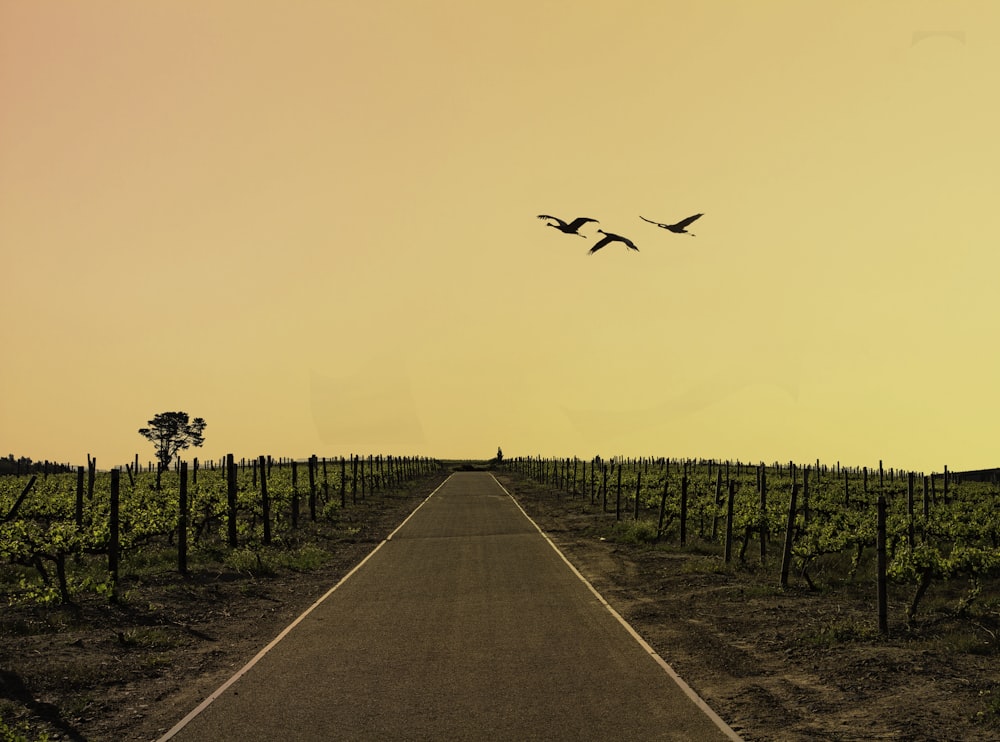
638,484
313,465
763,514
663,510
295,495
604,487
326,482
91,476
265,502
883,611
618,495
231,499
354,479
182,522
927,498
343,482
786,554
114,533
718,503
79,497
684,508
910,535
805,494
729,520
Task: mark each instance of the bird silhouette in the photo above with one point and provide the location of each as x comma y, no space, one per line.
568,227
679,228
608,239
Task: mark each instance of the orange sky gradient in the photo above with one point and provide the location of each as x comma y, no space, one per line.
313,225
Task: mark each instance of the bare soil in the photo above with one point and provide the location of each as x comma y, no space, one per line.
794,664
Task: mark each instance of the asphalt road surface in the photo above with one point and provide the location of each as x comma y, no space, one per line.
465,624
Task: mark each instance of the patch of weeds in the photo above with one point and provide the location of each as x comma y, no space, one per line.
842,632
254,562
156,662
989,712
265,561
702,565
332,512
150,638
634,532
306,558
80,705
20,733
968,641
150,559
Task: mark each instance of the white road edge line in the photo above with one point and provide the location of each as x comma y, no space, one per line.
688,690
246,668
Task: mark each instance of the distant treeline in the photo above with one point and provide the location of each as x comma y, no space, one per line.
24,465
978,475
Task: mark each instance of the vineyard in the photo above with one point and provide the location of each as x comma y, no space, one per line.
814,523
66,535
819,599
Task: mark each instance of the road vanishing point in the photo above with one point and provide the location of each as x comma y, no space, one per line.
466,623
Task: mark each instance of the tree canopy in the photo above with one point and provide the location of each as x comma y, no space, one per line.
172,432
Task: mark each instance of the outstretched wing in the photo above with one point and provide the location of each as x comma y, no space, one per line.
684,222
554,218
598,245
579,222
665,226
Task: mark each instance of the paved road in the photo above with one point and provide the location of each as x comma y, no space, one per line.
464,625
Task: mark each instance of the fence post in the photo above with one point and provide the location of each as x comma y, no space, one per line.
265,502
295,495
638,484
763,514
684,509
313,465
663,509
182,522
113,540
729,520
883,613
786,556
231,499
79,497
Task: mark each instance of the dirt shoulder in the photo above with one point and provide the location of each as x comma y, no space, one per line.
776,665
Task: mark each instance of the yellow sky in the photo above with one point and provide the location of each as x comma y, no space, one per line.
313,224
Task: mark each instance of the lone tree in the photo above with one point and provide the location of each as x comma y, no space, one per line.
171,432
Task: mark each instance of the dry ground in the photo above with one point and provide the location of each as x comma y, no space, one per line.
777,665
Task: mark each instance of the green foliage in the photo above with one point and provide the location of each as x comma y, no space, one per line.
635,532
20,733
47,558
833,528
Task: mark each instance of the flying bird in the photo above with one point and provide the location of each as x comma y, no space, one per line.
568,227
679,228
608,239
